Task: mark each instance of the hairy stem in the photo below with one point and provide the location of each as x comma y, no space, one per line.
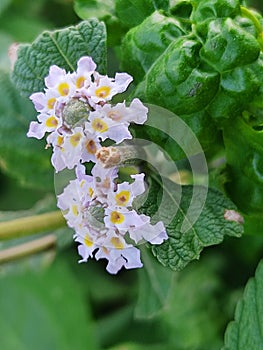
31,224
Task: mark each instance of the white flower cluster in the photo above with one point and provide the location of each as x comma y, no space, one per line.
75,111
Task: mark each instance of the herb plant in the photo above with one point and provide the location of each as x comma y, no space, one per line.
158,170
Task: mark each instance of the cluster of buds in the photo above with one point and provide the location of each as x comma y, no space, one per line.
75,110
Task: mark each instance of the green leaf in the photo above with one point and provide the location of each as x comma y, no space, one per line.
245,171
155,283
143,44
23,158
177,81
133,12
193,316
246,332
204,9
177,137
44,310
86,9
64,48
194,217
104,11
228,45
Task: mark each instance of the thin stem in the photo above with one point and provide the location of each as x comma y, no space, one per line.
26,249
32,224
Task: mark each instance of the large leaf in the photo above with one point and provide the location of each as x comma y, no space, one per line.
133,12
20,157
155,283
64,48
246,332
195,217
143,44
44,310
193,317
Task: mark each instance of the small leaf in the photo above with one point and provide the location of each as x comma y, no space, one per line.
194,219
246,332
155,283
63,48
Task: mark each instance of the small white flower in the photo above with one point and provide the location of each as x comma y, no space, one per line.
60,83
48,123
82,76
105,128
44,102
104,88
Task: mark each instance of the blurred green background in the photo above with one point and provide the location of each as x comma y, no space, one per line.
66,306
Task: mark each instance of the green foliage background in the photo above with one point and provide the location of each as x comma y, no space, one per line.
51,302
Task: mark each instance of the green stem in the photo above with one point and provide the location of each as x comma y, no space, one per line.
245,12
32,224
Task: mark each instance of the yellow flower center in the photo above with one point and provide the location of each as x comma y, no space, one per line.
63,89
117,243
74,209
88,241
122,198
116,217
103,91
74,139
80,82
91,147
51,122
99,125
60,140
91,192
51,102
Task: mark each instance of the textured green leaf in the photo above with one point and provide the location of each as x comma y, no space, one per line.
143,44
238,88
194,219
246,171
20,157
133,12
246,332
177,82
32,306
204,9
228,45
64,48
155,283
